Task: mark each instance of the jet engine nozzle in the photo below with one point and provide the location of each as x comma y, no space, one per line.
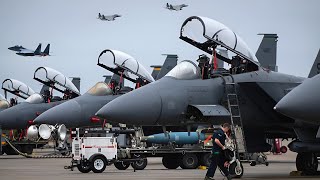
32,133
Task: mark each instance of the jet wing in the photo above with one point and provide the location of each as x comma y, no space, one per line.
17,88
123,65
26,51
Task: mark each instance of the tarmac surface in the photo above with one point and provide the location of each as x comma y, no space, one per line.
18,167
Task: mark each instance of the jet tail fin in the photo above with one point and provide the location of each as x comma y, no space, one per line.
267,51
38,50
156,70
169,63
107,79
76,82
315,69
47,50
44,88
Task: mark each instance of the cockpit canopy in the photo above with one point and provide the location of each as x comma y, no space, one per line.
206,34
185,70
100,89
117,62
35,99
17,88
55,79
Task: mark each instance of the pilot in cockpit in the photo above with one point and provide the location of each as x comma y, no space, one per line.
238,65
47,96
204,65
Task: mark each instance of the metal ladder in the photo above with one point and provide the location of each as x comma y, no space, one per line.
235,116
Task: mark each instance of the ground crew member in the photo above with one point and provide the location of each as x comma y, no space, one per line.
218,159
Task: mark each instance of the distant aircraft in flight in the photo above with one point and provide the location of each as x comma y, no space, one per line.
27,52
175,7
108,18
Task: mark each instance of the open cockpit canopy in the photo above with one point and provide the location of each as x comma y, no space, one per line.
185,70
17,88
208,34
55,80
100,89
123,65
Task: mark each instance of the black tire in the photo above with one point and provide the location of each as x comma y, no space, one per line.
205,159
171,161
139,165
98,164
121,165
189,161
27,149
307,163
83,167
236,171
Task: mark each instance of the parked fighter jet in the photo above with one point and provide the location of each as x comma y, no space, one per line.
79,112
26,52
302,102
22,115
184,97
175,7
108,18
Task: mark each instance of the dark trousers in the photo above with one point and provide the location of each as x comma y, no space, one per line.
217,160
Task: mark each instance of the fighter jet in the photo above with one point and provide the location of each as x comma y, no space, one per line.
79,112
108,18
244,95
22,115
17,48
302,102
27,52
175,7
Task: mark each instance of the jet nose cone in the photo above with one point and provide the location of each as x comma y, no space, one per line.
67,113
11,119
139,107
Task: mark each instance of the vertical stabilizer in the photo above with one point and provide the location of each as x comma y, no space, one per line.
315,69
76,82
267,51
107,79
38,50
44,88
169,63
156,70
47,50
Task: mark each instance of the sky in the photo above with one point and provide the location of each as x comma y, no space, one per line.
145,31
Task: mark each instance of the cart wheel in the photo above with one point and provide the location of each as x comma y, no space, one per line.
83,167
98,164
236,170
121,165
171,161
139,165
189,161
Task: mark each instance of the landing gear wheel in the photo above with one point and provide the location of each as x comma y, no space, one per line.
121,165
140,165
83,167
98,164
283,149
170,161
189,161
205,159
27,149
236,169
307,163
